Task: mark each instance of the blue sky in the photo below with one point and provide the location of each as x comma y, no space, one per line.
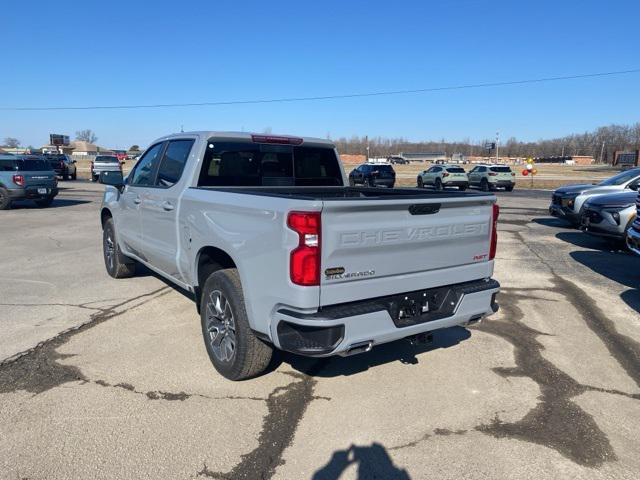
104,53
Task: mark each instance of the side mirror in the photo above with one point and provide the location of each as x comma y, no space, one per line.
113,179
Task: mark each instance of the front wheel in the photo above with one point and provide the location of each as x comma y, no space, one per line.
372,182
352,183
420,182
509,188
438,184
484,185
462,188
118,265
233,348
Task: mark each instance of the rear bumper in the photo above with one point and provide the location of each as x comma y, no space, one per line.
32,193
633,240
502,183
384,182
455,183
339,329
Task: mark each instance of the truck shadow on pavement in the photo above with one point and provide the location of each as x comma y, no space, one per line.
372,462
57,203
400,350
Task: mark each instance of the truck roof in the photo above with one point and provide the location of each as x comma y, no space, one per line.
246,136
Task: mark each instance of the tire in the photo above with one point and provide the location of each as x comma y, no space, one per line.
438,184
462,188
351,182
74,176
5,199
509,189
117,264
94,178
484,185
372,183
420,182
65,177
233,348
45,202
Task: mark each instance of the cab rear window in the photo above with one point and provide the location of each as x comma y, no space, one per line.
32,165
243,164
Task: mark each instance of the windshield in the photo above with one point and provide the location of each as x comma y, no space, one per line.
621,178
241,164
32,165
500,169
105,159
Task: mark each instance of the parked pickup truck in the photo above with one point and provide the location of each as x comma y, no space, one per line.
280,253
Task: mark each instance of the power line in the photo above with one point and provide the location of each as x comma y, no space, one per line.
327,97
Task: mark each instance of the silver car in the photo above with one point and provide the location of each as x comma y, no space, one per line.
567,202
609,216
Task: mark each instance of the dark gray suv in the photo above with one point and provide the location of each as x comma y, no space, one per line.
26,178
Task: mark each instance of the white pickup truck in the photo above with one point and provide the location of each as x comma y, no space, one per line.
280,253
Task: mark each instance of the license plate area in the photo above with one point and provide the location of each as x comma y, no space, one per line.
423,306
43,191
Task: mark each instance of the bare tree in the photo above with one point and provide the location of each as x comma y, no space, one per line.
11,142
87,135
134,148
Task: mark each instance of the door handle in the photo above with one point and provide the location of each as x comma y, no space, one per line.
167,206
137,200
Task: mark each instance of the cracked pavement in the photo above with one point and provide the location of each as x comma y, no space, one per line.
102,378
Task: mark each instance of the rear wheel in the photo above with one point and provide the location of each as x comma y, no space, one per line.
117,264
233,348
509,188
484,185
438,184
94,178
462,188
74,176
5,199
352,183
372,182
420,182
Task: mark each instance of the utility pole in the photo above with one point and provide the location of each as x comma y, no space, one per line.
602,151
367,140
497,147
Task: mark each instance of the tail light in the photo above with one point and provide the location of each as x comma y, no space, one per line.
494,231
513,174
304,268
492,174
18,180
445,174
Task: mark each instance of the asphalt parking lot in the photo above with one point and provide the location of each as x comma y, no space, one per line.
104,378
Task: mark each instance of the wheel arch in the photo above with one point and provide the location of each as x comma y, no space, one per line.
208,260
105,214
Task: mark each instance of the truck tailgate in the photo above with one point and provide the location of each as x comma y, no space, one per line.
381,247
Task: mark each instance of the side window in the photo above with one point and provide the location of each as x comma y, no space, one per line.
142,175
6,166
173,162
482,169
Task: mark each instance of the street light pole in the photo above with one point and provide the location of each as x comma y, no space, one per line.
497,147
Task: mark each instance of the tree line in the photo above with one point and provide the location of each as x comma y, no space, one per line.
600,144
